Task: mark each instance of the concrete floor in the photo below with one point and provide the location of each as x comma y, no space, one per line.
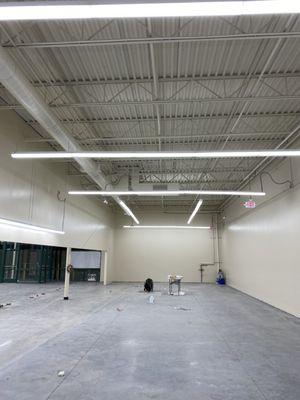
226,346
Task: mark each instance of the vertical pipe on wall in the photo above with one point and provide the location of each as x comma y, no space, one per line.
217,245
67,274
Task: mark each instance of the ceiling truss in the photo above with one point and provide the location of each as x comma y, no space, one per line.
170,84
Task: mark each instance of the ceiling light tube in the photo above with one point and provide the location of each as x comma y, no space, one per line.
128,211
165,227
198,205
49,11
157,155
29,226
164,193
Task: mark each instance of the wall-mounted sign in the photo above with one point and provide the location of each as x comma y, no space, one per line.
249,204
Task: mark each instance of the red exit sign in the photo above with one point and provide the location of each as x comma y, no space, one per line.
250,204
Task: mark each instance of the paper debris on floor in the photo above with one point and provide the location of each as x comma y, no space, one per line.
61,373
151,299
180,308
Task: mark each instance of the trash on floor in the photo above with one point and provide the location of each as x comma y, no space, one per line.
61,373
33,296
120,309
5,305
174,280
151,299
182,308
220,279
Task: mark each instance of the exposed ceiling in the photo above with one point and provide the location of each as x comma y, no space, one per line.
164,84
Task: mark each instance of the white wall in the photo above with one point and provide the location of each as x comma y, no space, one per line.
28,193
260,247
155,253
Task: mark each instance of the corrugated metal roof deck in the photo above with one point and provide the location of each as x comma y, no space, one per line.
217,87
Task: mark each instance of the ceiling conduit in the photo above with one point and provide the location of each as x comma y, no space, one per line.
19,86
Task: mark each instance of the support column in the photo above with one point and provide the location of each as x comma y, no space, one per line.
67,274
104,263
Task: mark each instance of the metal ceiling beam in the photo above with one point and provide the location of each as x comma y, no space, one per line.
172,118
168,138
218,170
161,102
177,101
178,209
189,180
156,40
18,85
161,79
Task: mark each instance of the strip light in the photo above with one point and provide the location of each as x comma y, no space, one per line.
159,155
198,205
30,11
128,211
29,226
165,227
164,193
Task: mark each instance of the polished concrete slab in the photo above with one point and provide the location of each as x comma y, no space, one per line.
214,343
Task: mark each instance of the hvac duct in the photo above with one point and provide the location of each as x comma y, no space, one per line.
19,86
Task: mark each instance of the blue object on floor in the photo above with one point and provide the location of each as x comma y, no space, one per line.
220,280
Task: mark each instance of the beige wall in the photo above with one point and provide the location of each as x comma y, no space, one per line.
155,253
28,193
260,247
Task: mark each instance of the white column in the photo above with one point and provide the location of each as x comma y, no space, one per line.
67,274
104,266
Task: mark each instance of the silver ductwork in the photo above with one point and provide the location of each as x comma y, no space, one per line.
13,79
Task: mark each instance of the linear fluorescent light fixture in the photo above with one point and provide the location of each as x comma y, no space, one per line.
29,226
198,205
50,11
128,211
157,155
165,227
164,193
